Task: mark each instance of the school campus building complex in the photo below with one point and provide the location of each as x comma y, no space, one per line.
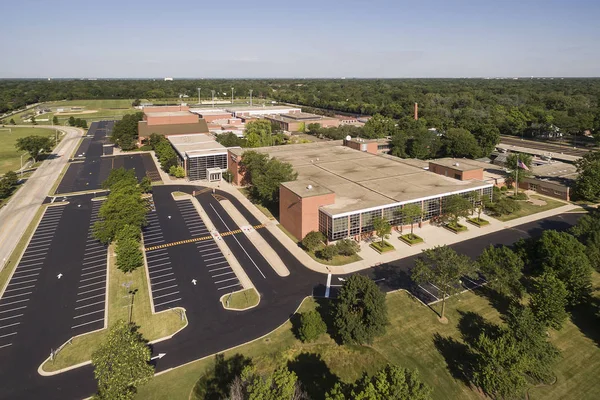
343,185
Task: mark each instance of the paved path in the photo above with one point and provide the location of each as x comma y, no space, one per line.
20,210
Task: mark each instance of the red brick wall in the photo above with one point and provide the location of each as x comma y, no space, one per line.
301,215
167,120
233,165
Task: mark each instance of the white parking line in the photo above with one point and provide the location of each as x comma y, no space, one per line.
24,276
167,302
5,345
216,269
37,246
8,326
91,297
32,241
21,288
165,295
87,258
87,323
17,295
224,273
13,302
153,255
95,251
225,280
91,273
11,317
156,277
89,305
10,334
92,278
213,258
153,234
217,263
161,270
160,283
28,264
211,254
26,270
168,287
34,251
91,284
161,259
21,283
94,266
89,291
227,287
159,265
208,246
13,309
86,314
42,235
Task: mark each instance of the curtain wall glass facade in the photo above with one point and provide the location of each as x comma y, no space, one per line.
196,166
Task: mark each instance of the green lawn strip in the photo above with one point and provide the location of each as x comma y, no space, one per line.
528,208
409,342
10,157
456,228
152,326
262,208
381,247
478,221
11,263
179,194
411,239
241,300
294,238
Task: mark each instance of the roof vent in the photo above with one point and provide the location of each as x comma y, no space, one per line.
456,164
348,137
309,187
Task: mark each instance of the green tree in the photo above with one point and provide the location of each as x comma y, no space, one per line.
455,207
314,128
313,240
253,140
398,144
379,126
121,363
382,228
265,185
177,171
8,183
311,326
33,121
230,139
253,163
392,382
587,184
166,155
503,270
34,145
12,121
587,231
123,206
129,254
499,366
347,247
258,131
55,120
564,255
444,268
360,312
328,252
410,213
125,131
539,355
119,176
488,137
549,300
460,143
281,385
71,121
146,185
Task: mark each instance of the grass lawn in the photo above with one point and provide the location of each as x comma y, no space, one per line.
269,213
152,326
382,247
411,238
410,341
528,208
456,228
478,221
241,300
10,157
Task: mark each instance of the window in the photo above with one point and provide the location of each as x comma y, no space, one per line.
340,228
458,177
367,220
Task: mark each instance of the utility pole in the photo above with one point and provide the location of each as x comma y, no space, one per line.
250,97
199,102
232,96
213,98
517,177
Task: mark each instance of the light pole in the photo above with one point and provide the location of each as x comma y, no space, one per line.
22,165
232,96
250,97
199,101
213,98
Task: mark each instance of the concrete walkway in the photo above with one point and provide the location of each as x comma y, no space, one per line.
16,216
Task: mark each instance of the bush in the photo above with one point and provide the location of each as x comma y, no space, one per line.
313,240
129,255
177,172
347,247
503,188
146,185
146,147
328,252
519,196
504,206
311,326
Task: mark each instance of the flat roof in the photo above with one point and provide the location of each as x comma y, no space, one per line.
538,152
361,180
555,169
209,111
459,164
168,114
196,145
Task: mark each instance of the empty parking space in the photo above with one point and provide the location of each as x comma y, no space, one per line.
192,219
217,267
91,291
153,235
14,301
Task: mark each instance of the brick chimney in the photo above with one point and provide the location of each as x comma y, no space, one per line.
416,111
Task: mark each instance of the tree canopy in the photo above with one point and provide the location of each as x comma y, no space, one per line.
587,184
125,131
34,145
503,269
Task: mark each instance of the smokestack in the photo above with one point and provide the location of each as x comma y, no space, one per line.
416,111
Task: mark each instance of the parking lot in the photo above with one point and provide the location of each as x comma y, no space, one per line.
14,301
91,290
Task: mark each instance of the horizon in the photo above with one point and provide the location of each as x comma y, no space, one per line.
315,40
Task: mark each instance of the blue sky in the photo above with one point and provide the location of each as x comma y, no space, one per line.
236,39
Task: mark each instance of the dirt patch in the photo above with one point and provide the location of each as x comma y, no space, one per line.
537,201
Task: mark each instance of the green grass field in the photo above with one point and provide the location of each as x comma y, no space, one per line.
10,157
152,326
241,300
409,342
528,208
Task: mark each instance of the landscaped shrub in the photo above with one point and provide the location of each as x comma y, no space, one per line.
519,196
146,147
504,206
328,252
311,326
313,240
347,247
177,172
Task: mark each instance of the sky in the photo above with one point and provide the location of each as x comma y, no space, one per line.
299,39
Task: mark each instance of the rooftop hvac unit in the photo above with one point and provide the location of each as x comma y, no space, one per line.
309,187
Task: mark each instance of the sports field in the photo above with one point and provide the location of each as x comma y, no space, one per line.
10,157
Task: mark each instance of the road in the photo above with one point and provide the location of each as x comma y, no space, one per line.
20,210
